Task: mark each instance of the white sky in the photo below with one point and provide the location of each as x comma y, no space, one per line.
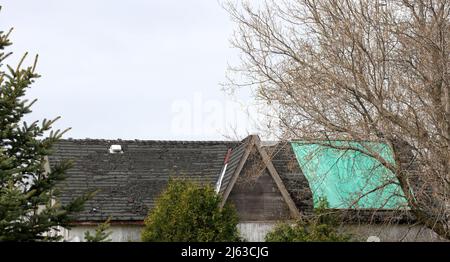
130,69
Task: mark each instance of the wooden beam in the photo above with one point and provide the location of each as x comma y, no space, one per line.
276,177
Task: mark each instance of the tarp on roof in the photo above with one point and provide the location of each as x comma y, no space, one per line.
346,178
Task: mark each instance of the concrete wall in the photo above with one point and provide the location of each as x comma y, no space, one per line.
256,232
120,233
251,231
391,233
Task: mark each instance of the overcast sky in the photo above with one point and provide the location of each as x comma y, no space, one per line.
137,69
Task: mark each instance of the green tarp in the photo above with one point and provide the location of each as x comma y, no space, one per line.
346,178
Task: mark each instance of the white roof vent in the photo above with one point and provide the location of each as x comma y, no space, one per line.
114,149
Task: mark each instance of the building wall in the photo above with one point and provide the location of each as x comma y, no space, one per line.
256,232
251,231
120,233
392,233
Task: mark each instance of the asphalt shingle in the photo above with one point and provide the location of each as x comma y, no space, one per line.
128,183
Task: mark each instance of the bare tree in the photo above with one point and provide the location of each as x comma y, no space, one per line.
361,70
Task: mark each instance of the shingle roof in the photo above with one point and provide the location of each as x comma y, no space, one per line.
130,182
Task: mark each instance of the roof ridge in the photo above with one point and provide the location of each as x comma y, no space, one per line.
145,141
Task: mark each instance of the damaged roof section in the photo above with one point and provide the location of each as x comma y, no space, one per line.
350,177
300,188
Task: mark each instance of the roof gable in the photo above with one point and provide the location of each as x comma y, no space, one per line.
255,143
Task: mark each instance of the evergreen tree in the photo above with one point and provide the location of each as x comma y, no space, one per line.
29,210
189,212
101,233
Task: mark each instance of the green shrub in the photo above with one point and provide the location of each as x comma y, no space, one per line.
322,227
189,212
